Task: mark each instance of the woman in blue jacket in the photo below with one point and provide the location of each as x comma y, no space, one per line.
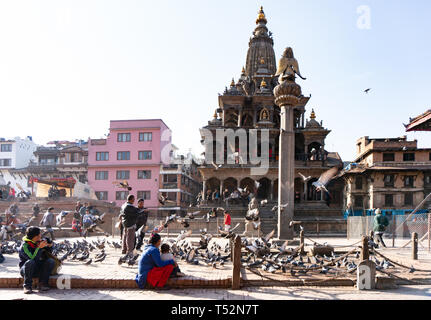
152,269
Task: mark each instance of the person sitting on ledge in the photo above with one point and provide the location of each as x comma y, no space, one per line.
152,270
33,262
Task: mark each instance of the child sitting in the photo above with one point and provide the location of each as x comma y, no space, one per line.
166,255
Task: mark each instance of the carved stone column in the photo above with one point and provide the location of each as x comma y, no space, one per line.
287,96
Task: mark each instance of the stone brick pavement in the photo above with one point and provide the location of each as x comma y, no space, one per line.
252,293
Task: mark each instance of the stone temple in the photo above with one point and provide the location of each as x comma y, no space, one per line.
248,104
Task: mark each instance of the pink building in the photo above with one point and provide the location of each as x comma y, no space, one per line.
132,152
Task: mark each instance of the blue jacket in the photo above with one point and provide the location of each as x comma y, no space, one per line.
149,259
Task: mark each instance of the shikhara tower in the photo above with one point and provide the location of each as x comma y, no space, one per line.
248,103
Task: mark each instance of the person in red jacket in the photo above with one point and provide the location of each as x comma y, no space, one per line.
227,221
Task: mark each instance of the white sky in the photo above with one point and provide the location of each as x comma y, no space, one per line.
68,67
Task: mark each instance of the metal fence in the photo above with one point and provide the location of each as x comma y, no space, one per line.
400,227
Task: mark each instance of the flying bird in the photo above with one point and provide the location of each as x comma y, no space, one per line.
304,177
367,90
216,166
325,178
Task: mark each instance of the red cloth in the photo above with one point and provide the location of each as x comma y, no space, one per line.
157,277
227,219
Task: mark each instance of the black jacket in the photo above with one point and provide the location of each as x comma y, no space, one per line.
142,218
128,214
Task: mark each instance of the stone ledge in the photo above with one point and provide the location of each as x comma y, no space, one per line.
178,283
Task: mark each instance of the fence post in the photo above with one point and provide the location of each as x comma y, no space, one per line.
236,269
393,230
429,229
318,229
301,242
365,253
414,246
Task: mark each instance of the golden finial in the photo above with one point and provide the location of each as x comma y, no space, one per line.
263,83
232,84
243,70
262,60
261,16
312,115
215,114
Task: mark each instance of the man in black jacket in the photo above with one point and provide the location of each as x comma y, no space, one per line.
141,223
129,215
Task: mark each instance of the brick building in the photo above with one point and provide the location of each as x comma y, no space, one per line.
389,173
132,153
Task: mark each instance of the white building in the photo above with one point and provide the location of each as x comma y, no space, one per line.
16,153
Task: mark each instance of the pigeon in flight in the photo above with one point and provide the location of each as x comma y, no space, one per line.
216,166
367,90
304,177
325,178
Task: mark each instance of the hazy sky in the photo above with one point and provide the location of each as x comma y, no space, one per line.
68,67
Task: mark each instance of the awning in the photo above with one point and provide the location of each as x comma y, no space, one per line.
60,182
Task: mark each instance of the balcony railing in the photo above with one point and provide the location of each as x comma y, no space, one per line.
170,185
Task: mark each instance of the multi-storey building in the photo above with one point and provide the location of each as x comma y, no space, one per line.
180,183
389,173
132,153
16,153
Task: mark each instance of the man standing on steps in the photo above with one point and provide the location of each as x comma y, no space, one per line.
141,223
129,215
48,221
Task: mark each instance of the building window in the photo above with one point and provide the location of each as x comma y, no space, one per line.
123,155
429,156
145,136
101,175
359,201
144,174
123,174
47,161
6,148
146,195
145,155
408,198
408,157
427,180
123,137
358,183
102,195
408,181
102,156
389,200
121,195
389,180
389,157
5,162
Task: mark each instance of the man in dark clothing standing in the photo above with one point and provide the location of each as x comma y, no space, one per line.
141,223
380,224
129,215
33,262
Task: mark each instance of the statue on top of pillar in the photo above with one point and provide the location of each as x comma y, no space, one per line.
288,67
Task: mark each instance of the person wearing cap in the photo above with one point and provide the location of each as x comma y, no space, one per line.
33,262
380,224
152,270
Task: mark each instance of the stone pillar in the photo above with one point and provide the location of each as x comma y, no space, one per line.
287,95
286,192
221,188
305,190
239,117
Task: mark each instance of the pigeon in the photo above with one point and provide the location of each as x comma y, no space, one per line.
216,166
367,90
275,208
326,177
304,177
412,270
263,202
89,262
